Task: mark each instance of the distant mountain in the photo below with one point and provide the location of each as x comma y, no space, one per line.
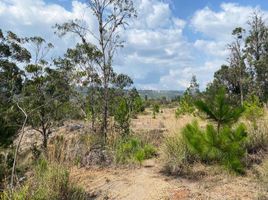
156,94
151,94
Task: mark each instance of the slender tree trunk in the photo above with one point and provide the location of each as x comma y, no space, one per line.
241,83
18,146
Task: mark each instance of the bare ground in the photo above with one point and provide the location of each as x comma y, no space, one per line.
149,183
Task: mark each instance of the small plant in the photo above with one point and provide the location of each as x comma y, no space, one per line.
253,110
257,137
185,107
50,181
226,147
223,144
122,117
156,109
131,150
219,110
149,151
175,154
140,156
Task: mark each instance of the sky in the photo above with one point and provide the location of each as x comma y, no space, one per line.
168,43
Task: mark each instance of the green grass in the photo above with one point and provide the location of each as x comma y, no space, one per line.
132,150
49,181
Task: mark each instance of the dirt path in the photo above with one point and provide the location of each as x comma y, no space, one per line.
148,183
144,183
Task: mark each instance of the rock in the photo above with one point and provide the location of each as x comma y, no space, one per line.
97,157
74,127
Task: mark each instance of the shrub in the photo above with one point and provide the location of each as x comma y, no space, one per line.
175,154
263,174
149,151
226,147
122,117
257,137
253,110
220,110
6,162
131,150
185,107
156,109
49,181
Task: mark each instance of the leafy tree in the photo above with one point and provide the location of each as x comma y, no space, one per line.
82,60
193,89
257,52
236,60
136,103
45,91
186,102
122,117
12,54
111,17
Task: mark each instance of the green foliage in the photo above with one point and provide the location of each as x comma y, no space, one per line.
156,109
185,106
46,92
131,150
219,109
226,147
6,161
186,103
122,117
50,181
138,105
253,110
12,54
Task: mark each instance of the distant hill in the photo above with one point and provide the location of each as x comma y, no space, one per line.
151,94
156,94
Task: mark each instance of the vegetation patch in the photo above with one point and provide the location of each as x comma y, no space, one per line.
132,150
48,181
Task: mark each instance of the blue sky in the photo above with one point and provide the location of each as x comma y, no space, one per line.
170,41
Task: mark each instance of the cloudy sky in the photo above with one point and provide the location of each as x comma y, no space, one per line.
170,41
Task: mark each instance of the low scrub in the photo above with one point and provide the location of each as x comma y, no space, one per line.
49,181
257,137
175,154
225,146
132,150
253,110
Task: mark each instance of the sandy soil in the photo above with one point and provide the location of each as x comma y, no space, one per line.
149,183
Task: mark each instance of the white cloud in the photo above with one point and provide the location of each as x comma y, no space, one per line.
157,54
219,25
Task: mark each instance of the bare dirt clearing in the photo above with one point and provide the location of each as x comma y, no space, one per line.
148,182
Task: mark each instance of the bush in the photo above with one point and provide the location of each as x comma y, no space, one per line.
131,150
263,174
175,154
156,109
122,117
185,107
253,110
257,137
6,162
226,146
49,181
